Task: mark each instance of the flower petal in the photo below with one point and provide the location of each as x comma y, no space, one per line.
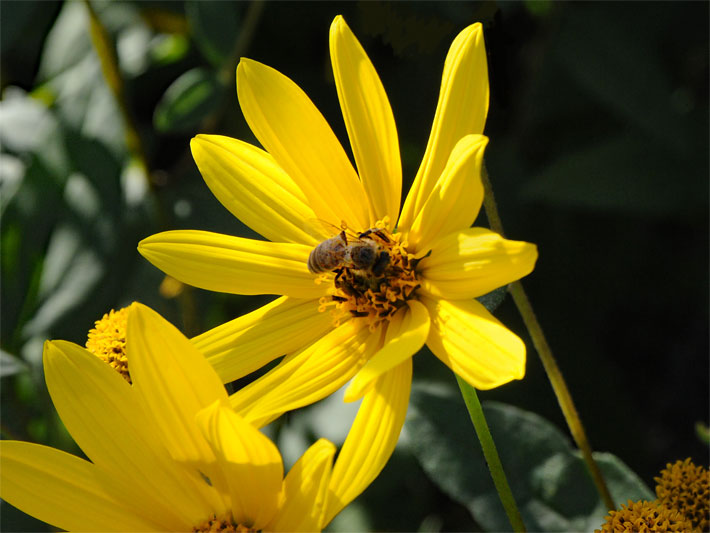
456,198
309,376
295,133
473,262
247,343
62,490
406,334
225,263
369,121
372,438
305,490
251,464
248,182
104,415
461,110
473,343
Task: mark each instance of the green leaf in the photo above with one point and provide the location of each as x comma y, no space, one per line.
548,478
187,101
11,364
214,26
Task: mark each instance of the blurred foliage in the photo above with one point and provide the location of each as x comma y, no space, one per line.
599,154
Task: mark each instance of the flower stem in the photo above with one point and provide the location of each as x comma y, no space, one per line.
491,454
554,374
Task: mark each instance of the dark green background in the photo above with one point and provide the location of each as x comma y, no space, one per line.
598,154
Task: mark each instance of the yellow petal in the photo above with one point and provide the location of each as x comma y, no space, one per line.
406,334
224,263
461,110
62,490
456,198
247,343
253,187
309,376
305,490
105,417
295,133
369,121
473,262
474,344
371,439
251,463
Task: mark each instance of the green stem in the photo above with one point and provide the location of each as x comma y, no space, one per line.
554,374
491,454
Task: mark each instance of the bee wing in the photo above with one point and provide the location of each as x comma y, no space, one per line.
322,229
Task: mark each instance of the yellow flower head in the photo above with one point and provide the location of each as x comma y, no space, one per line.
107,340
167,453
365,291
685,487
645,517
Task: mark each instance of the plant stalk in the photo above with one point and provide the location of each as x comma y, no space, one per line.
490,452
554,374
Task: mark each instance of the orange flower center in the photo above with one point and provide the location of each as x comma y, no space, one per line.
225,524
107,340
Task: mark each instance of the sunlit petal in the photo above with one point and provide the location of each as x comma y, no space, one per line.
232,264
470,263
309,376
474,344
250,462
305,490
461,110
406,334
254,188
295,133
369,121
372,438
247,343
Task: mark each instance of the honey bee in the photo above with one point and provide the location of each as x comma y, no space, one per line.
363,252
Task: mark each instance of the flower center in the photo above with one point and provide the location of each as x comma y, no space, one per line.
107,340
224,524
375,279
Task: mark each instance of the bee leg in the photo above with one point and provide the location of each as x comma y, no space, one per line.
344,237
378,268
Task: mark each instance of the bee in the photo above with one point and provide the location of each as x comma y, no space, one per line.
363,252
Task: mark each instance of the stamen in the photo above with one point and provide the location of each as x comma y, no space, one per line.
107,340
222,525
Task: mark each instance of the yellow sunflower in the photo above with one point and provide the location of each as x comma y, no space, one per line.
358,319
168,453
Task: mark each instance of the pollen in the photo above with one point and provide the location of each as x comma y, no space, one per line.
644,517
686,487
374,294
107,340
220,525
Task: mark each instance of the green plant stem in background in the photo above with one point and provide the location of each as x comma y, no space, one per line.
491,454
543,349
109,66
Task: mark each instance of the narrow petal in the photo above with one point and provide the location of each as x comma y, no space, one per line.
473,262
474,344
305,490
406,334
369,121
461,110
224,263
254,188
62,490
295,133
251,463
309,376
456,198
105,417
372,438
245,344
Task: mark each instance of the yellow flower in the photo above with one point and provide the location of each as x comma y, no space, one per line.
434,262
167,453
685,487
645,517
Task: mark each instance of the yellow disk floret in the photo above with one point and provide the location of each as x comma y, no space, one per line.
107,340
686,487
645,517
221,525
